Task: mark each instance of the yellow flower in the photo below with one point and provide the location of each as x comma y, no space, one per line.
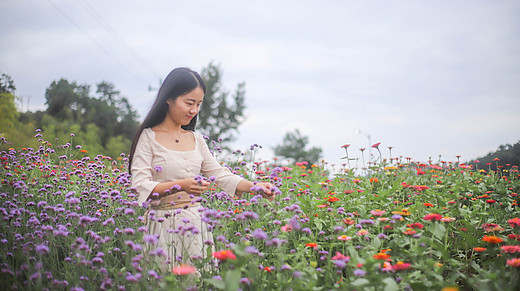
451,288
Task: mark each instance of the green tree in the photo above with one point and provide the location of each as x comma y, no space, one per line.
220,114
16,133
107,120
293,147
7,84
504,157
67,101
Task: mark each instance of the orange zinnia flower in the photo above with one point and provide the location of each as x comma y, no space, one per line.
311,245
332,199
479,249
382,256
492,239
403,212
348,221
224,255
409,231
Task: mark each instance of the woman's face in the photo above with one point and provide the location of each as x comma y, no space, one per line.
185,107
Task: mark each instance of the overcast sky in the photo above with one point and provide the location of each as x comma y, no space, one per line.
428,78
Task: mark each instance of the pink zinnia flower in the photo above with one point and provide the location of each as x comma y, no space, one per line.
377,212
363,232
344,238
340,256
184,270
286,228
400,266
514,222
515,262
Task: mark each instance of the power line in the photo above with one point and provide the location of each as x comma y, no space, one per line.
96,43
108,28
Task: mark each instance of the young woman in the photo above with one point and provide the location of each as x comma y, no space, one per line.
166,159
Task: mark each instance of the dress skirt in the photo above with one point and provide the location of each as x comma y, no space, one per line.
182,235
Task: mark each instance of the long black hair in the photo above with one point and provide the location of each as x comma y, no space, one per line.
179,81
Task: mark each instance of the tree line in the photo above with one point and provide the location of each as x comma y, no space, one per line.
504,157
102,121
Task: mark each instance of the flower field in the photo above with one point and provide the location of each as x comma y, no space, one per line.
69,222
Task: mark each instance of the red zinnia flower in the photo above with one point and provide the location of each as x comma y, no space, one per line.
432,216
388,227
514,236
224,255
415,225
376,145
400,266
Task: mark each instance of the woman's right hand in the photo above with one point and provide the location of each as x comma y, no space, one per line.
192,186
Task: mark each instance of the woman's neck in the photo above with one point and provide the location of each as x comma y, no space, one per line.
169,126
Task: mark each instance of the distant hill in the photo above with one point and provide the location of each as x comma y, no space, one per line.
507,155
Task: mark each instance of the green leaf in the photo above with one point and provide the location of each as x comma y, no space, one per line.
390,284
232,279
376,243
438,230
219,284
360,282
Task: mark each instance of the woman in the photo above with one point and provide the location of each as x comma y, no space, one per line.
166,159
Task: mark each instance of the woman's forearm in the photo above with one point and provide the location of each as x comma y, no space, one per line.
244,186
162,187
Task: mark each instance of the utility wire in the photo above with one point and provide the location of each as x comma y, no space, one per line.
96,43
97,17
